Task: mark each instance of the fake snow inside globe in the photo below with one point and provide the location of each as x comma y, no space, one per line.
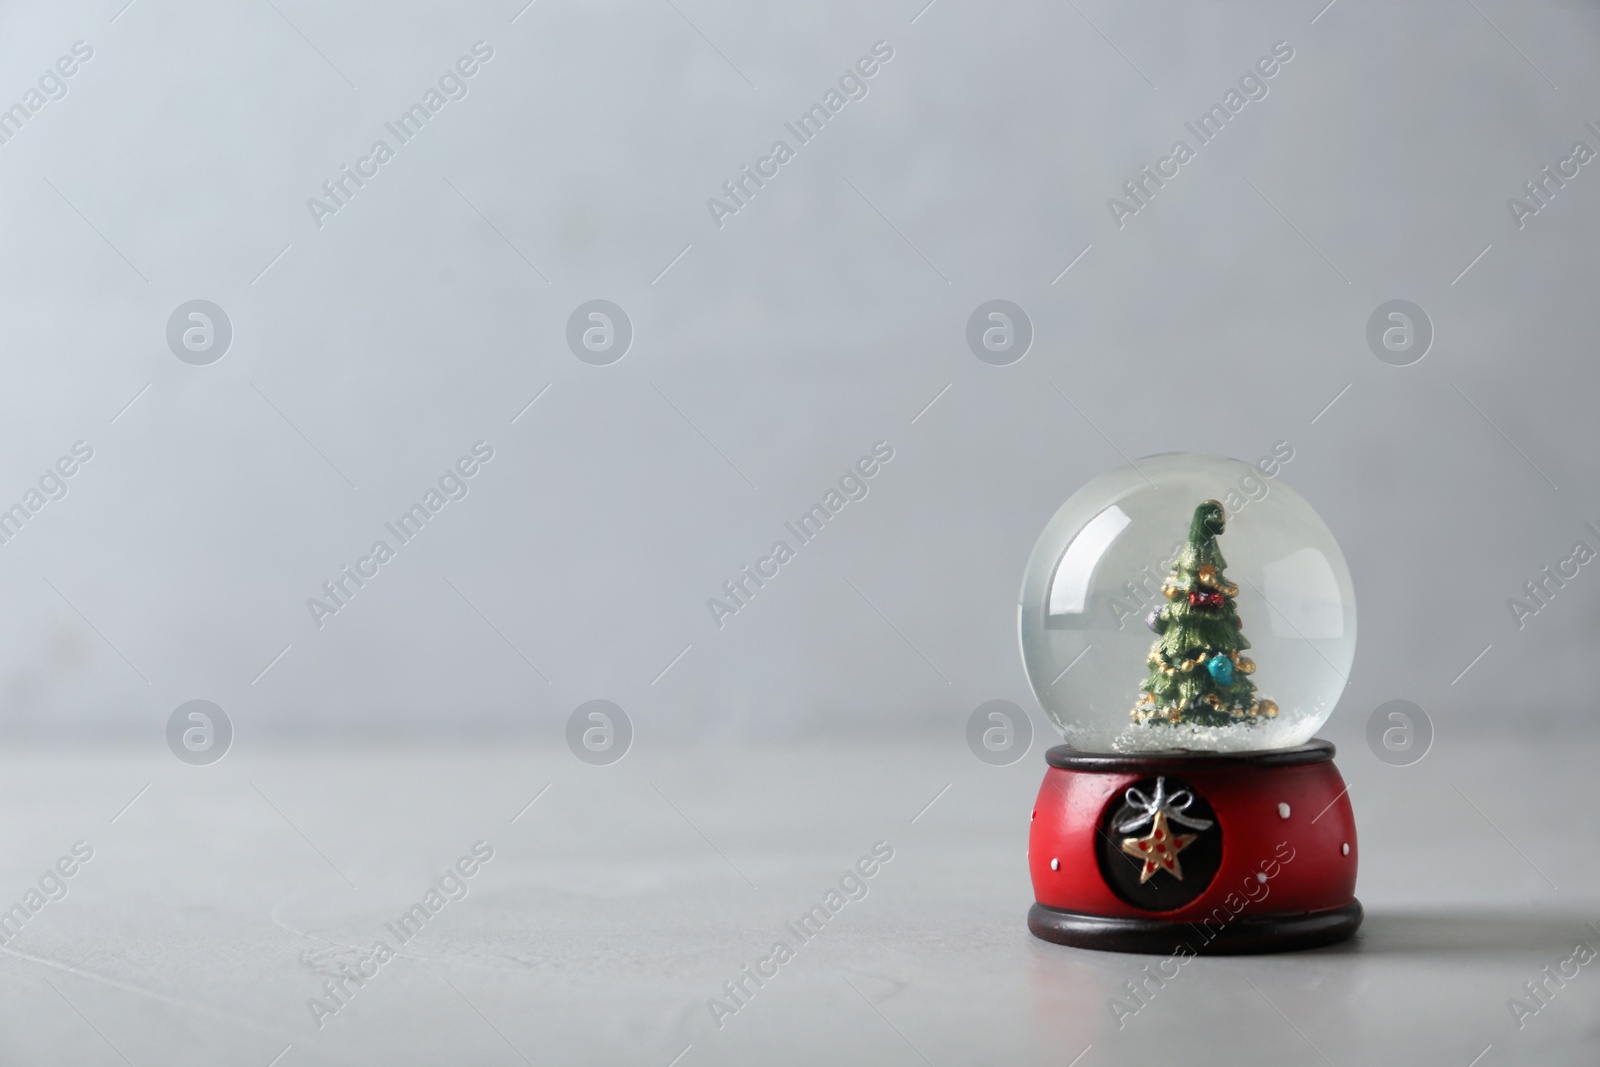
1187,602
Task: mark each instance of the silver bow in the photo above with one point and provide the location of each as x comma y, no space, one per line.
1149,807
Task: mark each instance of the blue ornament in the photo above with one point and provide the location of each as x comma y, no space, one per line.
1221,668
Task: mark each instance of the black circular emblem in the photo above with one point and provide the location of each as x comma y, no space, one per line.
1160,844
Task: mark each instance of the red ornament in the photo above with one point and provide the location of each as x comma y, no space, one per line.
1205,600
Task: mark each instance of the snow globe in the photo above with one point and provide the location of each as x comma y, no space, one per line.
1191,809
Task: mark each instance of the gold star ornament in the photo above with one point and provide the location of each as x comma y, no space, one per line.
1158,850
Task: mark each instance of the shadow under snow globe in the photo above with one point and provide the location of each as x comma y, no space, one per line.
1188,623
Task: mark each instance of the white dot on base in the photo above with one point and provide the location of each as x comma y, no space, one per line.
1344,849
1261,876
1055,865
1283,810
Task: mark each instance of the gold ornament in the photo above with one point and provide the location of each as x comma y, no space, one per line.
1267,708
1207,575
1158,849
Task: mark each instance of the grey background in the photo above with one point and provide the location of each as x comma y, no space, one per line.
789,341
368,355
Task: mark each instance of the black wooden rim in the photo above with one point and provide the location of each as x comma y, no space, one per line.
1244,935
1068,758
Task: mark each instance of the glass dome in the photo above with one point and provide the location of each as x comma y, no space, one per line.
1146,589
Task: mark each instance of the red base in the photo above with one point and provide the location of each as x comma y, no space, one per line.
1287,871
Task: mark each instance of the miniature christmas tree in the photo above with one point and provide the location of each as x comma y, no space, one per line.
1197,674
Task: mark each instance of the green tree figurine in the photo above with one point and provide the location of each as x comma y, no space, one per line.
1197,674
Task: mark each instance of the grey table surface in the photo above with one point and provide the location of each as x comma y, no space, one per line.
217,904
